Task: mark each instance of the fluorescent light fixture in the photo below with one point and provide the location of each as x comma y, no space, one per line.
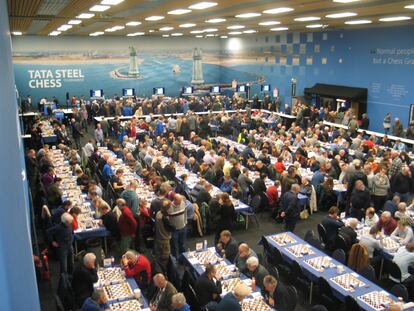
154,18
167,28
248,15
111,2
151,30
250,31
196,31
97,33
235,33
133,23
394,19
99,8
223,37
269,23
17,33
315,26
358,22
176,34
410,6
279,29
236,27
135,34
179,11
199,36
210,30
55,33
307,19
278,10
215,20
64,27
74,22
202,5
115,28
188,25
85,15
210,35
341,15
165,36
345,1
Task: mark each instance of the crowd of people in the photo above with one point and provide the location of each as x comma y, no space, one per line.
376,174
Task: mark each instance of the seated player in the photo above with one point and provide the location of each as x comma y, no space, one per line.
137,266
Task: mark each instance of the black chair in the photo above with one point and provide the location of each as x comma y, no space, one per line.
59,304
393,270
309,235
368,272
326,296
298,278
318,308
293,297
341,243
339,255
351,304
400,290
323,235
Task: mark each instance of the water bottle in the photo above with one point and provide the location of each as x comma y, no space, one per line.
363,221
205,245
400,302
112,261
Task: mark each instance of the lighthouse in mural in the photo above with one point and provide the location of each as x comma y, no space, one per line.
197,67
133,71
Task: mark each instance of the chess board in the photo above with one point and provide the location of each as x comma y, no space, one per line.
348,281
118,291
283,239
129,305
111,275
363,231
224,271
206,257
377,300
256,304
390,245
300,250
88,224
229,285
320,263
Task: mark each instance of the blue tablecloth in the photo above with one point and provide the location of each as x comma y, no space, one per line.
134,285
49,139
328,273
92,233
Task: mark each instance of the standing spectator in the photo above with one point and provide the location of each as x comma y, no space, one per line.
364,122
83,113
178,218
360,200
163,230
127,226
99,135
291,208
402,184
381,186
226,213
387,123
397,128
84,277
77,133
396,164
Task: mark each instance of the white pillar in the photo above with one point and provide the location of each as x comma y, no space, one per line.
197,67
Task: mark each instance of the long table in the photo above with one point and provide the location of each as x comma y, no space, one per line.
289,244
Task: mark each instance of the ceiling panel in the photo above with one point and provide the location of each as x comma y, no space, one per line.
52,7
36,26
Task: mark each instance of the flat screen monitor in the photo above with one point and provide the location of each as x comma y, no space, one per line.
241,88
187,90
158,91
215,89
128,92
265,87
97,93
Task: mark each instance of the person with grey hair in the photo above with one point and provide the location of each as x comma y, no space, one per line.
387,224
348,231
178,303
245,252
84,276
127,225
60,237
97,302
256,271
275,293
163,295
231,301
290,207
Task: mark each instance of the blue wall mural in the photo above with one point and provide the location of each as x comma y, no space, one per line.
380,59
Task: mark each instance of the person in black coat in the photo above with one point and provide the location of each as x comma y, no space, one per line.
259,185
110,222
227,215
208,288
204,195
332,223
360,200
248,152
227,246
275,293
84,276
291,207
169,171
348,232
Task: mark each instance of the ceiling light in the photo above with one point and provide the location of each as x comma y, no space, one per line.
151,30
394,19
97,33
64,27
165,36
307,19
345,1
154,18
315,26
202,5
210,35
279,29
278,10
196,31
167,28
188,25
179,11
235,33
248,15
176,34
99,8
236,27
358,22
216,20
341,15
115,28
223,37
85,15
269,23
250,31
210,30
74,22
133,23
199,36
111,2
55,33
17,33
411,6
135,34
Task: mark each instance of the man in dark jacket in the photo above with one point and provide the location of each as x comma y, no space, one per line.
332,223
348,232
84,277
276,293
291,207
360,200
227,246
208,288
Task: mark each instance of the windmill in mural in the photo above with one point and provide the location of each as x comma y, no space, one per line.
197,67
133,71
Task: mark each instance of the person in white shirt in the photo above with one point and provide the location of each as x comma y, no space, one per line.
371,242
403,233
371,219
89,148
402,214
403,258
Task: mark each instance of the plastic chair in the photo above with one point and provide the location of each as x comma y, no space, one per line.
394,271
368,272
340,256
293,297
298,278
323,236
400,290
341,243
351,304
326,295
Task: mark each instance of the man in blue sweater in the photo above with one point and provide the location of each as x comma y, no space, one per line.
97,302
